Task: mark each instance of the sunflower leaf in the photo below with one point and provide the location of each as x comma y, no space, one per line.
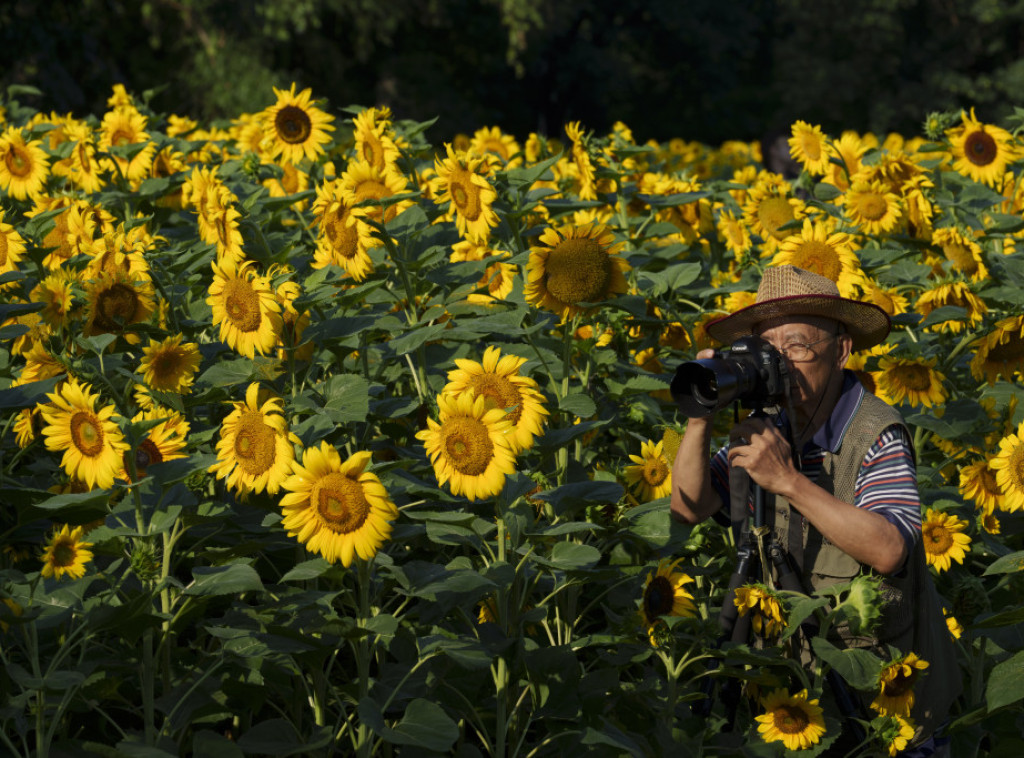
1006,683
858,667
232,579
424,724
1007,564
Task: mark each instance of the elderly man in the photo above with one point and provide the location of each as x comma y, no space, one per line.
851,506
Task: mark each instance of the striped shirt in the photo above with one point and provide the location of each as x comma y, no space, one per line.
887,481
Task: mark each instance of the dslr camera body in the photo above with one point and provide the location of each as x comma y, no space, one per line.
751,372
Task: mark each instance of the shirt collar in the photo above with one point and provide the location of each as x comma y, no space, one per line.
830,435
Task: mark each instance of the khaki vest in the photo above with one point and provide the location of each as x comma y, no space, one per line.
912,618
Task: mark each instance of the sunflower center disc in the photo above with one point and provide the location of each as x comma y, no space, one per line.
937,539
146,455
344,237
899,685
655,471
498,392
64,554
255,444
341,503
821,258
773,212
790,719
872,207
1011,351
578,271
466,198
115,307
242,305
467,444
293,125
659,598
915,378
18,163
86,434
980,148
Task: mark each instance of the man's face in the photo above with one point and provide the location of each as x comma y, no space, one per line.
826,355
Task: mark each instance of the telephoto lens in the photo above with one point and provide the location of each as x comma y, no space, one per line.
751,372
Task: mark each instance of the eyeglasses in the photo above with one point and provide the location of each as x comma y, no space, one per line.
800,352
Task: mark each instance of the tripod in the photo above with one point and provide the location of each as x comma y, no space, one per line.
758,554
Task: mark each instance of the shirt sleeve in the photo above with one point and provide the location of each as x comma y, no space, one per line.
887,483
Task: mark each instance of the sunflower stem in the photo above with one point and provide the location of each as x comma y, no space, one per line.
363,741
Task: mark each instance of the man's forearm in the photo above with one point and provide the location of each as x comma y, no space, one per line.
693,497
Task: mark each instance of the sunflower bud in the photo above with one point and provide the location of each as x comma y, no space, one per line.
860,607
145,561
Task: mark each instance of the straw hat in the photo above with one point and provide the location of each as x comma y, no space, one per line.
792,291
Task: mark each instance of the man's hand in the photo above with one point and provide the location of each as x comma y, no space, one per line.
758,447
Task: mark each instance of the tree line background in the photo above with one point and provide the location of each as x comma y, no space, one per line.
707,70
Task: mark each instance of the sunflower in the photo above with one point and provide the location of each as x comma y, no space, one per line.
464,186
121,128
585,176
56,292
115,301
912,379
496,378
871,206
92,443
295,127
339,242
896,685
469,446
12,247
244,306
960,253
956,629
794,720
374,144
574,265
336,508
255,451
981,151
849,149
169,365
896,733
733,233
26,427
810,147
491,142
1009,467
979,482
13,609
651,477
66,553
769,206
1000,352
952,293
24,166
889,299
765,606
819,249
665,593
943,539
164,442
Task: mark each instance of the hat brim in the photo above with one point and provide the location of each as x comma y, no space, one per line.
866,323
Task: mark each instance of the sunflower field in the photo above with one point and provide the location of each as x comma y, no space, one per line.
320,438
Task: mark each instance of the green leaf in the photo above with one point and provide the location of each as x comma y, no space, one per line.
578,405
859,668
1006,683
523,178
310,569
416,336
347,398
228,373
573,555
28,395
826,192
208,744
583,493
1009,617
93,500
1007,564
231,579
425,725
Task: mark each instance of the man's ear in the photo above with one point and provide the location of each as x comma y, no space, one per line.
844,347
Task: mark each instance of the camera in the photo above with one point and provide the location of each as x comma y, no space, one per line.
751,372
